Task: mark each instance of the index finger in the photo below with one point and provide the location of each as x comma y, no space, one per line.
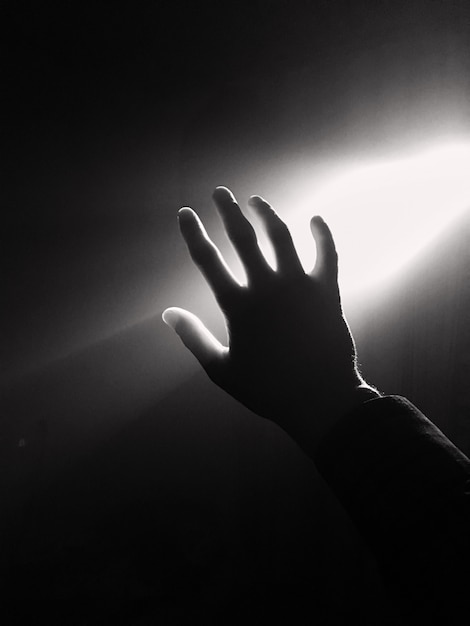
206,255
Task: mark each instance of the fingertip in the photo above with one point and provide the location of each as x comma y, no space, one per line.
189,223
222,193
319,227
186,212
171,316
260,204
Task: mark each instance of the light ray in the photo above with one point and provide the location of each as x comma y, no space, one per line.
383,214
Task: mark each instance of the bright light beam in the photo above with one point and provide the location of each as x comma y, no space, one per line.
383,214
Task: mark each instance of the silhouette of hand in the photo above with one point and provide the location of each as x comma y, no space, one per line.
291,357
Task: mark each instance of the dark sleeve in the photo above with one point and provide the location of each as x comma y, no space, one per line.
407,487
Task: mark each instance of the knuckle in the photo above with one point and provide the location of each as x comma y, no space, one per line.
243,235
203,253
278,230
278,225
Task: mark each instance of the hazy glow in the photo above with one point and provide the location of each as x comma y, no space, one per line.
382,214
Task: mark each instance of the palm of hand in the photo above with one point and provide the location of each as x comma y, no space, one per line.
286,342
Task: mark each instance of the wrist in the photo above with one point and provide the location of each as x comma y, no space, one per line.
338,405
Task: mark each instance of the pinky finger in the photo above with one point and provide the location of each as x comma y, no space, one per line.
196,337
326,265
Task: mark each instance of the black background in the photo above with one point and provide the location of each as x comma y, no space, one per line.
134,491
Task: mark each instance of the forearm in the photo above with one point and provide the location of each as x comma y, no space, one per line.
330,415
407,488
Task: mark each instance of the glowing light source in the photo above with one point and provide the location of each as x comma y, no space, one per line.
383,213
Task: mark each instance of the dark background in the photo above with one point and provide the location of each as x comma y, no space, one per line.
133,491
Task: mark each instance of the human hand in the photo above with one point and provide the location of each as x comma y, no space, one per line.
290,355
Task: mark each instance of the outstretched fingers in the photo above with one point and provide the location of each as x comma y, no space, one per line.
326,265
206,255
241,234
286,256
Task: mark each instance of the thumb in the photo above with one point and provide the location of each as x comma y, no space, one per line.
195,336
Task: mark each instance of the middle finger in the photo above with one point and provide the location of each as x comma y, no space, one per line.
242,235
